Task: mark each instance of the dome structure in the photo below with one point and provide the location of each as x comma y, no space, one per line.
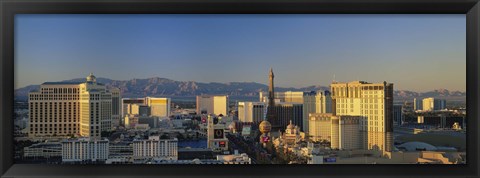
265,127
415,146
290,126
91,78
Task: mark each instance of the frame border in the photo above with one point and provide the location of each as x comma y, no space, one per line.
9,8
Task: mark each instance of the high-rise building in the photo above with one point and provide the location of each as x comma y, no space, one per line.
313,102
309,106
374,103
417,104
148,106
129,103
347,130
155,147
62,109
251,111
323,102
85,149
433,104
212,104
397,114
286,112
116,107
159,107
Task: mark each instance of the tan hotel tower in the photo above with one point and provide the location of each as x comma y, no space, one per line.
62,109
374,103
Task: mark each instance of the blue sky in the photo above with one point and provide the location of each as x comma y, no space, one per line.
415,52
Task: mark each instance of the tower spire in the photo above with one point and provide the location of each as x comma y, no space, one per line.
271,89
271,100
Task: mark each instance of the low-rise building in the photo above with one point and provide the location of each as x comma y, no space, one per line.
43,150
154,147
85,149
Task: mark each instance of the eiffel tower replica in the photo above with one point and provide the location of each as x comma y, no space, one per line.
271,116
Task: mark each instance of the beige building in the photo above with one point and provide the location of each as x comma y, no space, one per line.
346,131
315,102
374,103
62,109
148,106
320,127
251,111
343,132
288,96
131,105
212,104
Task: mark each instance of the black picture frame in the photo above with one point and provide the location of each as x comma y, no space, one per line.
9,8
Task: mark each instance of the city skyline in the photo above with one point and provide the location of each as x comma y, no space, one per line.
417,52
264,83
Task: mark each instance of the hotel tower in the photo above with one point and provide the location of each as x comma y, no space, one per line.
374,103
62,109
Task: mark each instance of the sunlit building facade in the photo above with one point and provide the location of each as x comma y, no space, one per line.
433,104
374,103
212,104
62,109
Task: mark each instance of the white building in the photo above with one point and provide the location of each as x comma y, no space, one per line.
155,148
85,149
120,150
251,111
212,104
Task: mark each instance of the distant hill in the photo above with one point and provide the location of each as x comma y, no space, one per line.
166,87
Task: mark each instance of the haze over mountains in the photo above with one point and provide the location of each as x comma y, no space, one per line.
165,87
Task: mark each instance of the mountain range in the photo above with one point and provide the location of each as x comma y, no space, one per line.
166,87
